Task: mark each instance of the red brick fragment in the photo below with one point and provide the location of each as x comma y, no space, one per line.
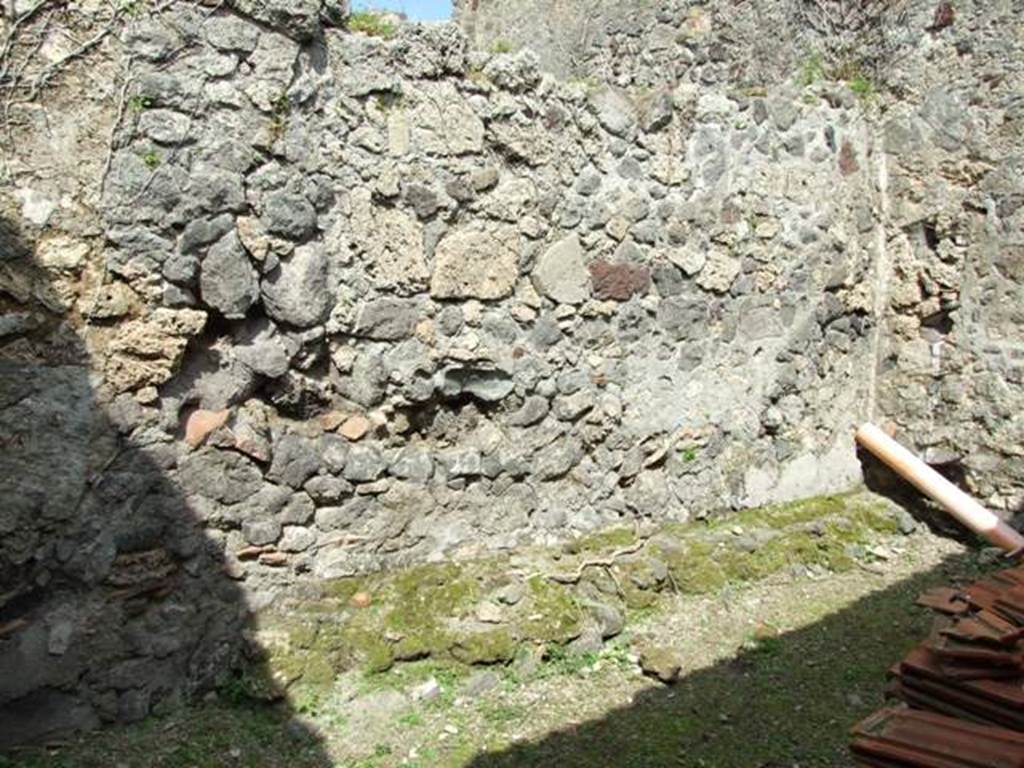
619,281
848,159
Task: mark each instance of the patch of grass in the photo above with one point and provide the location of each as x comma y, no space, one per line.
863,88
559,660
499,714
206,736
592,86
554,616
133,8
783,700
613,538
372,23
501,45
849,70
151,159
817,531
812,69
411,720
138,102
235,691
280,111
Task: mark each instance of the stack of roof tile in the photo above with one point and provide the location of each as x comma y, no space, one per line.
962,689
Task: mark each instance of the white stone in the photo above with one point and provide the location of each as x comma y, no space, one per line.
476,262
61,252
561,273
719,272
35,206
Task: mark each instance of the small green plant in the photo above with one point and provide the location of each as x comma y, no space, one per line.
388,101
372,23
307,703
478,77
411,719
235,691
280,109
559,660
133,8
499,714
501,45
764,646
138,102
812,70
591,85
863,88
151,159
688,454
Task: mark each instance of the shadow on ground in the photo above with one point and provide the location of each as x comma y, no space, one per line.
789,701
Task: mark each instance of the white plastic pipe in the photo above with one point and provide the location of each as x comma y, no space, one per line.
928,481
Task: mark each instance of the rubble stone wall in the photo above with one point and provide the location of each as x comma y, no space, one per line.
950,364
642,44
283,302
555,307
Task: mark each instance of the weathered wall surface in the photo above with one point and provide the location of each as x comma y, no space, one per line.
290,303
950,371
642,44
950,126
555,309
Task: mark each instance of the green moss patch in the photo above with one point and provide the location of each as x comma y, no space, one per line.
550,614
433,611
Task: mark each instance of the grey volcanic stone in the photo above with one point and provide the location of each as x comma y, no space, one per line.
415,464
610,620
388,319
261,532
333,518
296,538
365,464
231,33
615,111
205,231
289,215
299,509
328,490
221,475
463,463
683,318
365,383
227,280
262,349
657,112
296,292
546,332
299,19
532,411
571,407
558,458
295,461
487,384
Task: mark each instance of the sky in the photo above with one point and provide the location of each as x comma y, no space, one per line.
417,10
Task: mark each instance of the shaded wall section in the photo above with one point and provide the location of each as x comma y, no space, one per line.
113,602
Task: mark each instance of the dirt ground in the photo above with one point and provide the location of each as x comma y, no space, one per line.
773,675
